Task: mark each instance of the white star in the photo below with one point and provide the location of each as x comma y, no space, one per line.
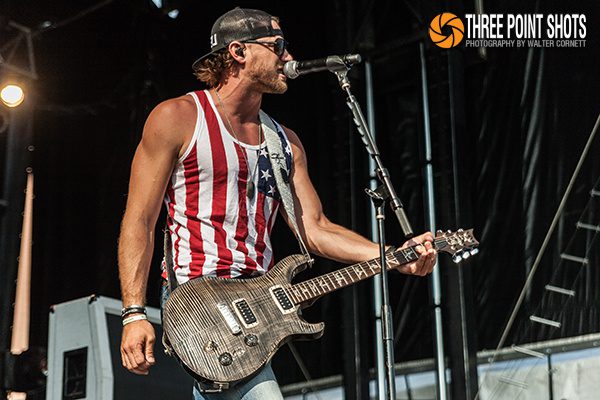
265,174
288,149
263,152
271,190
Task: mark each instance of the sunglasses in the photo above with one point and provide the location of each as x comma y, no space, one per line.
279,45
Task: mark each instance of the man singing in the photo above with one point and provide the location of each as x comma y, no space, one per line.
204,155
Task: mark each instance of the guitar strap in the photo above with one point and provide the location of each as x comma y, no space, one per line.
171,278
282,176
171,284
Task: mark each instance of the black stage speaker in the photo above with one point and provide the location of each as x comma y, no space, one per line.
84,359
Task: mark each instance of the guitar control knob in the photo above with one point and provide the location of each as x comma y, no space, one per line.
251,340
225,359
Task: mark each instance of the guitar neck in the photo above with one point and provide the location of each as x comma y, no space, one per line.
309,290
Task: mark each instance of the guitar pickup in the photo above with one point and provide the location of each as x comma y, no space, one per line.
245,313
282,299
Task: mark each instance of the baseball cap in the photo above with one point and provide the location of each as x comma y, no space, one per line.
238,24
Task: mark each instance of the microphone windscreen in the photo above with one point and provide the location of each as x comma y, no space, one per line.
290,69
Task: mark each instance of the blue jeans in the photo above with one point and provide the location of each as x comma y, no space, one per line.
262,386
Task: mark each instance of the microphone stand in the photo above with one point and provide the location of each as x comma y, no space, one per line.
379,196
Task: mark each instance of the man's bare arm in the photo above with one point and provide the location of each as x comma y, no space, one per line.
162,141
334,241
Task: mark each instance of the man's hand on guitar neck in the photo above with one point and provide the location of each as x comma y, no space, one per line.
137,347
427,255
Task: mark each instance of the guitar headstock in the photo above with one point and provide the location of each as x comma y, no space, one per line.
460,244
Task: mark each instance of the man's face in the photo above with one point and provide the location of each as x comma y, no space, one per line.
265,68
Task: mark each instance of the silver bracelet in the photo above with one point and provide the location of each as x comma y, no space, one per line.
141,317
133,311
134,308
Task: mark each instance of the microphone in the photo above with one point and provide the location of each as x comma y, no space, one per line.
293,69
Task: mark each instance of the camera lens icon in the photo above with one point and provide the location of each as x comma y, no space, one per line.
449,37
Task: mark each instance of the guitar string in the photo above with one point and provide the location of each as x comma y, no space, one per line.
266,294
290,292
298,291
262,297
346,270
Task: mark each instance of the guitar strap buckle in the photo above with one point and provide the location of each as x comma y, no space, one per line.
217,387
167,346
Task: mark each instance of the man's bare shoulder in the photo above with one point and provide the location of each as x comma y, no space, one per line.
172,123
177,110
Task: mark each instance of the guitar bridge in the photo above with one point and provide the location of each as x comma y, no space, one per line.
229,318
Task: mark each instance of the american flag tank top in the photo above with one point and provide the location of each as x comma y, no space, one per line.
216,230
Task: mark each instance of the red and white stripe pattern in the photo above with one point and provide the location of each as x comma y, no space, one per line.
216,230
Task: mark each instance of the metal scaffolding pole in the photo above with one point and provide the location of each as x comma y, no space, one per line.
436,292
373,184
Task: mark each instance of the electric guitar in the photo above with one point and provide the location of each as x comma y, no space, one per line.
224,330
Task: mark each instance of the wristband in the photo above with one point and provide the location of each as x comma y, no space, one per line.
132,306
132,310
129,320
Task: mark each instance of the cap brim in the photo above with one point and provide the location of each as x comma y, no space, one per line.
196,63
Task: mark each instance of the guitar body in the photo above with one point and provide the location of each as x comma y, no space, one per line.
224,330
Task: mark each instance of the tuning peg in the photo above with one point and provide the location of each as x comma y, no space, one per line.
438,232
474,251
461,230
457,258
465,255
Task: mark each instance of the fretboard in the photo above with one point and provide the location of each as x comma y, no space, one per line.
314,288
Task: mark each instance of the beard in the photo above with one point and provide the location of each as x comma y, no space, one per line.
267,80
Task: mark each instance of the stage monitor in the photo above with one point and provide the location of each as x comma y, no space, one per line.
84,359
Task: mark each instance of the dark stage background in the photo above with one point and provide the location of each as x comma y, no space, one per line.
523,118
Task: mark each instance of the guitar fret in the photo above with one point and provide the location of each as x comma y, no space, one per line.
288,292
350,276
340,278
400,257
323,283
314,288
298,297
345,276
374,268
305,290
414,255
359,272
333,284
404,254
